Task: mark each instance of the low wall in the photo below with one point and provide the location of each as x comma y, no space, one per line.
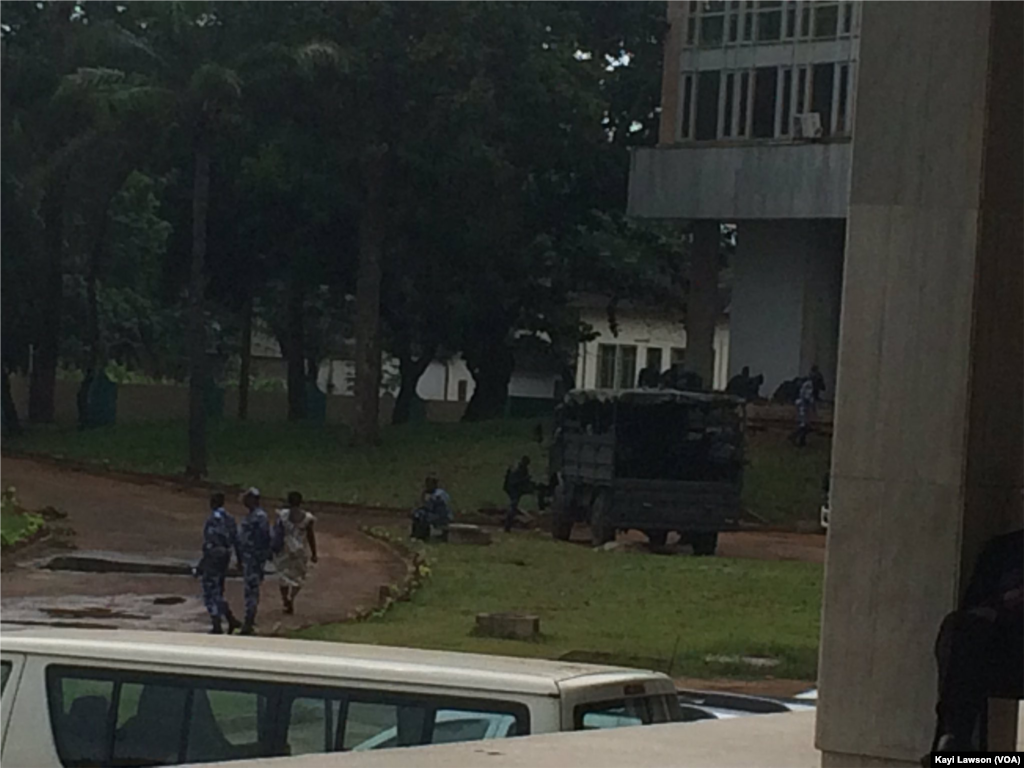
168,402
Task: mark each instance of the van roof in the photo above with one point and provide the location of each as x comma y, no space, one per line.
303,658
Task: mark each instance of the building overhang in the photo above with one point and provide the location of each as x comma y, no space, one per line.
730,182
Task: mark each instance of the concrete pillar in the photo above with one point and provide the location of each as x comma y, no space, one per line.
668,127
787,280
927,452
702,300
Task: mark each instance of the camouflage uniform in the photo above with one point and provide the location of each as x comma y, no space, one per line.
220,538
253,553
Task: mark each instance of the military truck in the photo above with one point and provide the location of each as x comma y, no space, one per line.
654,460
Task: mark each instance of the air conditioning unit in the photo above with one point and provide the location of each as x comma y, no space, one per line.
807,125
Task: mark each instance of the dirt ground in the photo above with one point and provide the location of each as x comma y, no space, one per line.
158,520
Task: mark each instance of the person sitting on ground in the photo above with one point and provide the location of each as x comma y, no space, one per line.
292,532
978,648
435,511
518,483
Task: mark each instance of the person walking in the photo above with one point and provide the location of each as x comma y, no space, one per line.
518,483
804,405
293,532
253,553
220,539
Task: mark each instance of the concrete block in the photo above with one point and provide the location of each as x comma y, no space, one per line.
510,626
463,533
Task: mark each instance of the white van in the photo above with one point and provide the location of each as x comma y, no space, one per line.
120,698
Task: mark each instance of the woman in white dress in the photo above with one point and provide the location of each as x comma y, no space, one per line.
295,531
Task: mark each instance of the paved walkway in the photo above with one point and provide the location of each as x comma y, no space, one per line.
160,521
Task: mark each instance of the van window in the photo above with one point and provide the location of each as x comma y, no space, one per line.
618,713
80,713
106,717
122,718
5,673
364,720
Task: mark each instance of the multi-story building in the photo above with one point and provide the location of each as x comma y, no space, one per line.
757,110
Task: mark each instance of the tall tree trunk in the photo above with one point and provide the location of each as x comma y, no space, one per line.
12,424
245,369
372,231
295,350
96,360
196,467
702,303
43,381
492,371
410,371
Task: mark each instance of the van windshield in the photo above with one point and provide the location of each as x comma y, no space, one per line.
626,712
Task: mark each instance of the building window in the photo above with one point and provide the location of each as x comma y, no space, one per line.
712,23
769,21
707,105
790,20
734,22
826,17
687,105
787,100
805,21
727,108
844,95
763,118
617,366
743,130
606,366
764,101
627,367
654,358
848,18
821,95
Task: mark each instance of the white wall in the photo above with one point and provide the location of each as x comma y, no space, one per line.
441,382
785,299
643,331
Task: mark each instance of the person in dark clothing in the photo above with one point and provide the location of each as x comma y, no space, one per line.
817,383
649,377
754,390
979,646
518,483
435,511
253,553
739,385
220,540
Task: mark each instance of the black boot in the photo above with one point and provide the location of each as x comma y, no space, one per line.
233,623
248,627
217,629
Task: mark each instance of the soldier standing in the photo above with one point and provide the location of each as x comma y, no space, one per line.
220,539
253,553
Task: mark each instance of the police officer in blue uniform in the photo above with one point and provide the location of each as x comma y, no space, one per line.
220,539
253,554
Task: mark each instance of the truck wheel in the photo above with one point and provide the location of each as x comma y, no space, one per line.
601,529
561,516
657,539
705,543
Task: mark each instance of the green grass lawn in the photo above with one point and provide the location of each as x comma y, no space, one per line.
317,459
782,483
627,608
